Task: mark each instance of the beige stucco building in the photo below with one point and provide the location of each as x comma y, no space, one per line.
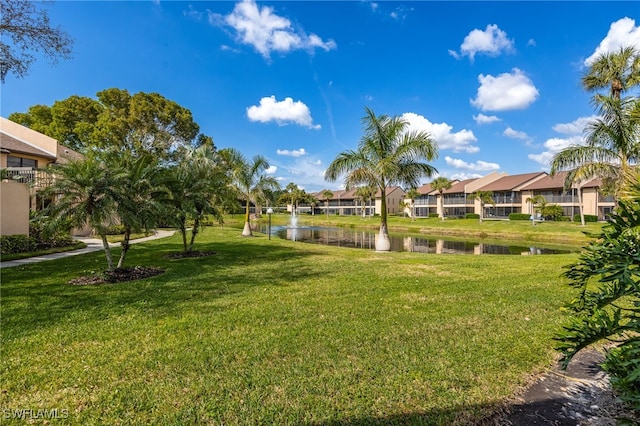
24,153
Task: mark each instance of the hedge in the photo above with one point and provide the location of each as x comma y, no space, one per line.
472,216
587,218
519,216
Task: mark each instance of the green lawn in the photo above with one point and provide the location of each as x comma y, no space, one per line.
277,332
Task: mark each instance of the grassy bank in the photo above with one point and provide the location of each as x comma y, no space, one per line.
278,332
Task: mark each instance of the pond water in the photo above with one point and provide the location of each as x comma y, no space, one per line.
358,238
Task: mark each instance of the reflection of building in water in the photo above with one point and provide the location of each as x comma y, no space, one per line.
478,249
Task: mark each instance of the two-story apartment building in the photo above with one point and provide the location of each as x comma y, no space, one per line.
24,153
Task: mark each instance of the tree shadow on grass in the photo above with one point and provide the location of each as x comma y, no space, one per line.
38,295
476,415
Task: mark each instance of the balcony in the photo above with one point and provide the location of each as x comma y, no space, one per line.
32,177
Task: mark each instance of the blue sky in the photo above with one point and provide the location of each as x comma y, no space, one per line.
497,84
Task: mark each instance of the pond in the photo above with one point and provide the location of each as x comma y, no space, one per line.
358,238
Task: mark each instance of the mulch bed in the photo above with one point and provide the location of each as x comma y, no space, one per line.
188,254
118,276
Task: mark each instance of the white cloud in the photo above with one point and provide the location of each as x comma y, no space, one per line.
531,42
492,41
507,91
478,166
192,13
543,158
553,146
516,134
271,170
576,127
306,171
465,176
441,132
486,119
294,153
622,33
282,112
268,32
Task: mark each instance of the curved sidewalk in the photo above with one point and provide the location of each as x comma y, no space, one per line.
93,244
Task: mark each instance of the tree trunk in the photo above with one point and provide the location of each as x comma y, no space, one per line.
194,231
441,202
107,251
382,242
246,231
580,205
125,246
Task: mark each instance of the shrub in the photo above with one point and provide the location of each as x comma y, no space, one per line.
472,216
18,243
519,216
434,215
115,230
587,218
606,277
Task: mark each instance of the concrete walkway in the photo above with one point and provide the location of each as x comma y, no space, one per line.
93,244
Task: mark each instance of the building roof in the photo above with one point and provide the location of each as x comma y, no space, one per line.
548,182
18,139
457,187
509,183
10,144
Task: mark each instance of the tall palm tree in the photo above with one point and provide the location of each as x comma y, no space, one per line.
85,192
441,184
327,195
612,145
412,194
249,180
617,71
388,154
485,197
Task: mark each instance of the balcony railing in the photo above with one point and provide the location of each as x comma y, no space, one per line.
456,200
34,177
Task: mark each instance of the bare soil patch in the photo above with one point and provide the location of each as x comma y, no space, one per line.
118,275
189,254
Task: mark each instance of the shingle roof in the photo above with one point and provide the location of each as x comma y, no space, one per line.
548,182
458,186
509,183
13,145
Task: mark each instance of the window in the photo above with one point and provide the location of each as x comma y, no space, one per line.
21,162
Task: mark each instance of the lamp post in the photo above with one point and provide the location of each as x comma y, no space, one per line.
269,213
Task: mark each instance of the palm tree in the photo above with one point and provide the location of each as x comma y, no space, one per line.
536,202
327,195
209,186
617,71
365,194
611,145
139,198
403,205
441,184
412,194
85,192
248,180
485,197
387,154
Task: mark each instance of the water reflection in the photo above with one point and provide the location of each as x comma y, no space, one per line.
346,237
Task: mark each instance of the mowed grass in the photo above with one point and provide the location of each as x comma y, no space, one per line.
278,332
